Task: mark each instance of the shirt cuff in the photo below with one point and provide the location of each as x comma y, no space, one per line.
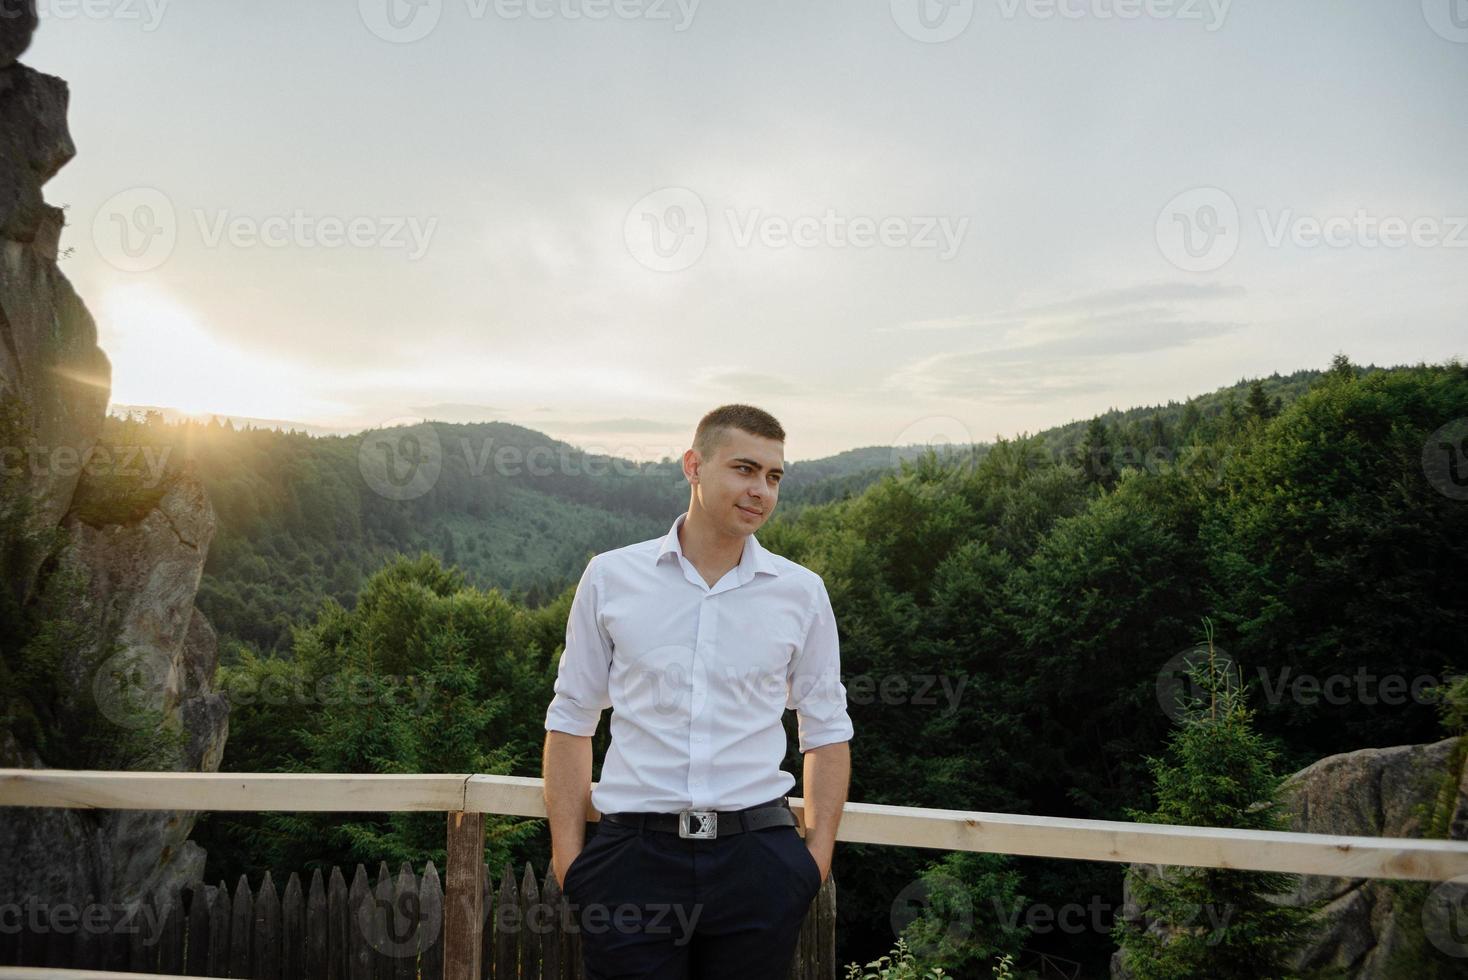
565,715
815,732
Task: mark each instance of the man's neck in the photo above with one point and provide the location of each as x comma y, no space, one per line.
709,551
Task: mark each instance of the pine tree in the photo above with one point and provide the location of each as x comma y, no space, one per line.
1096,454
1257,404
1218,924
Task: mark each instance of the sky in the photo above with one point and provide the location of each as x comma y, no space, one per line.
884,222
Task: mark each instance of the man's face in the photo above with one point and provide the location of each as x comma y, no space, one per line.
738,487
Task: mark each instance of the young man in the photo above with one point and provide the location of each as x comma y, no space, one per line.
698,641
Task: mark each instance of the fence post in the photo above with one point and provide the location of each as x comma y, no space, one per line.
463,899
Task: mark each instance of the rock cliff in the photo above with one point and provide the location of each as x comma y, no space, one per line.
132,576
1370,929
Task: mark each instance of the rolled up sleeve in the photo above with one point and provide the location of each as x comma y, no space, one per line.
581,691
815,689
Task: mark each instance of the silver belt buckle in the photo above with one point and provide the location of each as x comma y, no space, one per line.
708,824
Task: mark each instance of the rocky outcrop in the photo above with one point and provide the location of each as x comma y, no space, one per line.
137,657
1368,929
1372,793
17,24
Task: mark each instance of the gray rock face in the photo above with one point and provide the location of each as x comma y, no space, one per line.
17,24
139,572
1368,793
35,143
1373,793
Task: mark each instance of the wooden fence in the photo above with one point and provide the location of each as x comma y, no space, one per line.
468,953
387,929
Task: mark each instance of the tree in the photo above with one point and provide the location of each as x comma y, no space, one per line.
1217,924
1097,451
1257,405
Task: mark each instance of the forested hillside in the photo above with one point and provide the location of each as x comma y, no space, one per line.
303,518
1006,617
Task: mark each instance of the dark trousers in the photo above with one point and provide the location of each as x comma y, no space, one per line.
656,906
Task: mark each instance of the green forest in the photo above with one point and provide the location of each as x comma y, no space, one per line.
1314,520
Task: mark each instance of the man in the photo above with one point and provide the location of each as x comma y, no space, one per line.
698,641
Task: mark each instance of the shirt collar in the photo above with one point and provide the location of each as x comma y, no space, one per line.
754,559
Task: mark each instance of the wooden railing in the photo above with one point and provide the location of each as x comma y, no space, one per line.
465,798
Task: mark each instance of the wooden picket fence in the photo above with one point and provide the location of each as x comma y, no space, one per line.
389,929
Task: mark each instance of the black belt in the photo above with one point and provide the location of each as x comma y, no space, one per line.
709,824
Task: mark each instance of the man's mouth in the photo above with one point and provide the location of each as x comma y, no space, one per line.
751,513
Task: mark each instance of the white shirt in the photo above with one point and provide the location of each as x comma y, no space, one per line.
698,678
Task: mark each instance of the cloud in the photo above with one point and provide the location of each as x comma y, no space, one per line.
458,412
1064,347
612,426
751,384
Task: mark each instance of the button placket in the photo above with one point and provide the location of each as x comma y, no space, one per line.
698,726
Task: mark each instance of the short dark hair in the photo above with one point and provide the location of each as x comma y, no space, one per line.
713,426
